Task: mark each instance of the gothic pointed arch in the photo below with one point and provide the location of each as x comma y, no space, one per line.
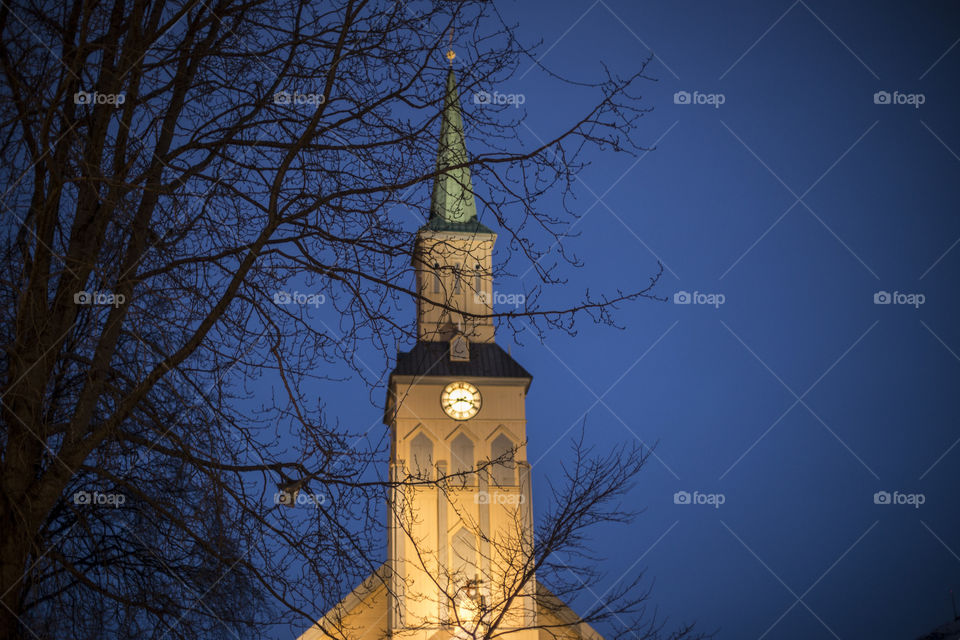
421,456
463,564
462,457
502,449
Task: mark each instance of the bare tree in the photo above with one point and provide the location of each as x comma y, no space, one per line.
172,172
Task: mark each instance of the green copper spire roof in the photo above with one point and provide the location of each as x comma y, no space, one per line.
452,207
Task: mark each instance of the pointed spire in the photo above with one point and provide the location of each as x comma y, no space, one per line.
452,200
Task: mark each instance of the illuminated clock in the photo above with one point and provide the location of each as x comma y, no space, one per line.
460,400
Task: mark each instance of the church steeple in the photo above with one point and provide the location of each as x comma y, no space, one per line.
453,206
453,255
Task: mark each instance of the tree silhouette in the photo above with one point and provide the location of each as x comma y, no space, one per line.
185,183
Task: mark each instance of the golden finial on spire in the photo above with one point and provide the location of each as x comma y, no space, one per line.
450,54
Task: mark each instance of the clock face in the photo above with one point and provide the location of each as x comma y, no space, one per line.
460,400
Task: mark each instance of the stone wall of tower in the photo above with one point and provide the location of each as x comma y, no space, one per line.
491,508
454,269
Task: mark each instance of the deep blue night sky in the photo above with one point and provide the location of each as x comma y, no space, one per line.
798,399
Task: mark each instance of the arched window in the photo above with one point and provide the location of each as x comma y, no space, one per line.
437,284
464,565
478,282
502,449
421,456
456,279
461,454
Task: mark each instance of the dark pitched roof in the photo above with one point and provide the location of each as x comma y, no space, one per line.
487,360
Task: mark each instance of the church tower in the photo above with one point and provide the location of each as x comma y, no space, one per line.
460,524
456,411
